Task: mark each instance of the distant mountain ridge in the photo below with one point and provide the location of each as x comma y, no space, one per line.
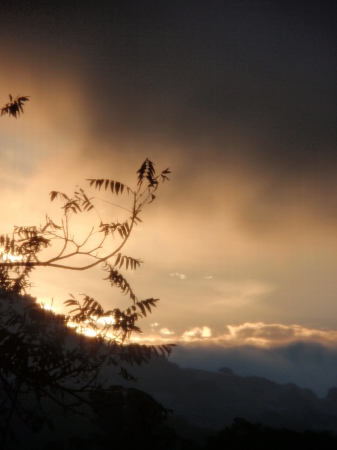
212,400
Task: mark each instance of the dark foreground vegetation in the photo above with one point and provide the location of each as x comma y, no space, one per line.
245,435
131,428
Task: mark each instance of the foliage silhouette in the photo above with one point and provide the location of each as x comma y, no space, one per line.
243,435
14,107
43,360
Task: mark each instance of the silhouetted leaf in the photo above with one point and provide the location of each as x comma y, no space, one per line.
99,183
53,195
118,259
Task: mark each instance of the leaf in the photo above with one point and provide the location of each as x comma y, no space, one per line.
146,171
57,227
118,259
148,307
53,195
117,279
167,349
70,302
14,107
126,225
142,308
152,198
65,197
99,183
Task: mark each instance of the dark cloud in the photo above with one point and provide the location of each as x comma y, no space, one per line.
223,87
196,70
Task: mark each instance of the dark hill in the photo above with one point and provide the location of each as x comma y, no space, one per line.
212,400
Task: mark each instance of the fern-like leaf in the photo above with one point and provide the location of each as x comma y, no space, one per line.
129,262
117,279
147,171
122,228
116,187
145,305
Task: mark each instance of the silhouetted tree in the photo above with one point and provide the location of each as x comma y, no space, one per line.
43,360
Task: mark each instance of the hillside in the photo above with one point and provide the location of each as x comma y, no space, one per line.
212,400
200,400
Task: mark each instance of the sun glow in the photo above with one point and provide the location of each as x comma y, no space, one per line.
106,320
6,257
99,327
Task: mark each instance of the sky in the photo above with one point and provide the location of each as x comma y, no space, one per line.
238,98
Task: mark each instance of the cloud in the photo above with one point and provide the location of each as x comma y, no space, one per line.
257,142
166,332
179,275
262,334
197,333
256,334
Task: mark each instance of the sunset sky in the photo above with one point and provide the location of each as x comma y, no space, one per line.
238,98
